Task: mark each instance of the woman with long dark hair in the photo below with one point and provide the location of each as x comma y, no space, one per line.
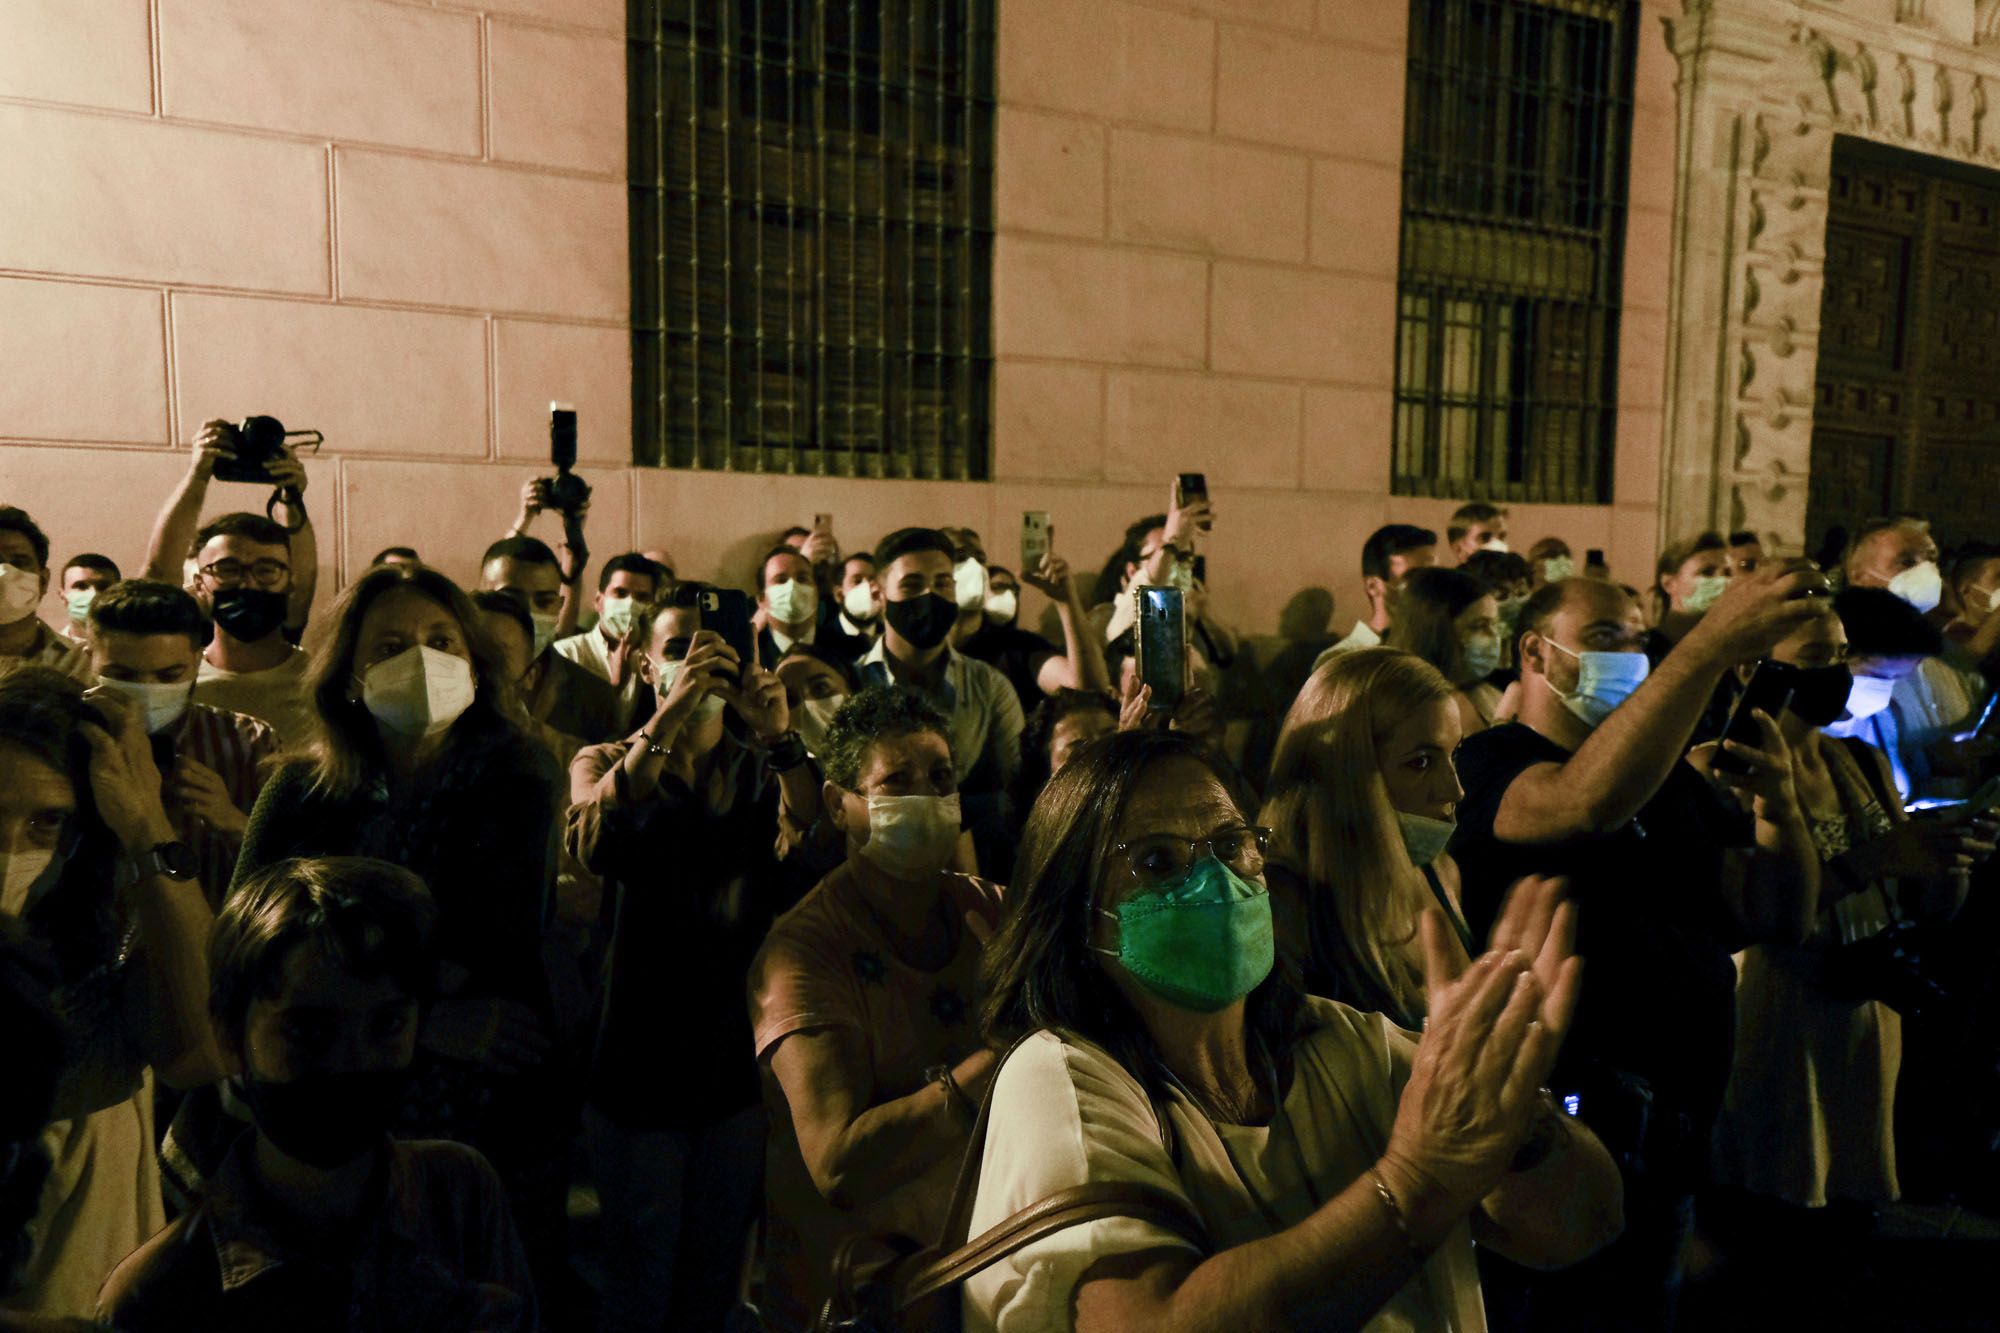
1338,1166
1452,621
420,760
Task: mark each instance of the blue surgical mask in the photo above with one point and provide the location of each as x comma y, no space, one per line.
1603,681
1424,838
1479,657
1708,589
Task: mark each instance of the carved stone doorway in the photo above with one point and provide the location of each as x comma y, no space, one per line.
1907,404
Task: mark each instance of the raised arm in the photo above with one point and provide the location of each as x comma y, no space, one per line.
180,518
1081,667
289,474
170,1007
1471,1100
1623,761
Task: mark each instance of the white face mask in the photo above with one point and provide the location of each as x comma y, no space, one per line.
1424,838
710,707
1494,544
1870,695
616,617
859,604
79,601
1920,585
792,601
1557,568
1002,607
969,582
20,593
26,878
1603,681
545,630
911,837
1992,600
164,704
813,717
418,692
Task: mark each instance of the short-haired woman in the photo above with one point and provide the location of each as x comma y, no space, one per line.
1360,805
864,1002
1452,621
1339,1167
420,761
318,970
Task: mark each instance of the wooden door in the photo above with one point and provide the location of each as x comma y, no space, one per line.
1907,417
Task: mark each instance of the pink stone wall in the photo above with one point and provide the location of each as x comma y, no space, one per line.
404,224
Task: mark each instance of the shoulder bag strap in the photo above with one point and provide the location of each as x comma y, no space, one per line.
1091,1202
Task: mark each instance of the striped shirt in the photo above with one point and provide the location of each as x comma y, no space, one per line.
237,748
51,649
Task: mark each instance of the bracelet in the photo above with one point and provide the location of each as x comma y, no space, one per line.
954,1095
653,745
784,752
1396,1213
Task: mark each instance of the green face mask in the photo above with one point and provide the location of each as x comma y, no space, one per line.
1202,943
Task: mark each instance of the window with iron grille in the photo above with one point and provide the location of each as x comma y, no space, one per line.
812,221
1515,156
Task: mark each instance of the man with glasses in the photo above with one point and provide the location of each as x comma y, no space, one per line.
243,580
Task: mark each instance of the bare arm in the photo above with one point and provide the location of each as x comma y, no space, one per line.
857,1151
180,518
1625,759
1082,665
1560,1211
172,916
290,472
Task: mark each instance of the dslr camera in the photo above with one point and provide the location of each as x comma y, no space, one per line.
256,443
567,492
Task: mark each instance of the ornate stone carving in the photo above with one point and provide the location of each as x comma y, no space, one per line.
1772,82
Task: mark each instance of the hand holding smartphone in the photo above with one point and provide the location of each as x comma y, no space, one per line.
1160,644
1770,690
1037,539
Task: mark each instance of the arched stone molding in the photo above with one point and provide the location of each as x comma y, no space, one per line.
1764,87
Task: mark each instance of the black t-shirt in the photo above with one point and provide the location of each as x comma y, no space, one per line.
1016,653
1655,933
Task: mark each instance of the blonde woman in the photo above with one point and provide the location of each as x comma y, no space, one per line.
1360,805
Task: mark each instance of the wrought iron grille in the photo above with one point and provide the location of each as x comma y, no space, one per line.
812,235
1515,160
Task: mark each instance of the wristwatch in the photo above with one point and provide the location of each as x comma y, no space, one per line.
783,752
170,860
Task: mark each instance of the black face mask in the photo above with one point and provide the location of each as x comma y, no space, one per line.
1819,694
924,621
249,614
328,1120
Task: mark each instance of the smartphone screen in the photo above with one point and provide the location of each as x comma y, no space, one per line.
1594,556
1770,689
562,436
1162,646
726,611
1192,488
1037,533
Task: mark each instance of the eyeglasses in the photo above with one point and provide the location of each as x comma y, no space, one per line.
263,573
1162,858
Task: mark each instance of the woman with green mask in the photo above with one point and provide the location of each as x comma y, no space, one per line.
1687,579
1336,1165
1360,806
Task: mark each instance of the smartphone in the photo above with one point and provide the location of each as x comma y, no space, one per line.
1770,689
562,436
1037,536
1161,646
822,522
1191,488
1594,556
726,611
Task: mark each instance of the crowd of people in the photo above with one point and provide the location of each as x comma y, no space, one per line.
1536,943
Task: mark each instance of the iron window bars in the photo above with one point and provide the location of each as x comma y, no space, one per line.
812,235
1516,153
